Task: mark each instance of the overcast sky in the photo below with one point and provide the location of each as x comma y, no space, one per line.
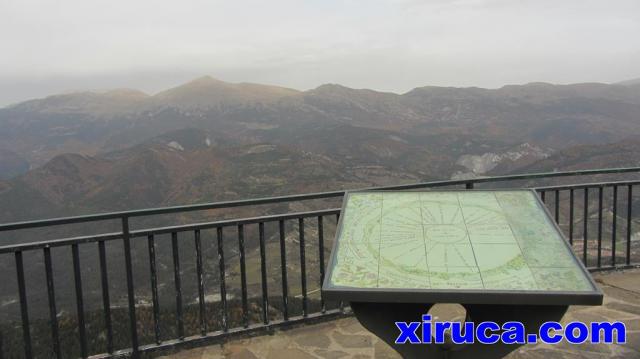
393,45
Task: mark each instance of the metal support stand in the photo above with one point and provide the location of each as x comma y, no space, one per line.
380,318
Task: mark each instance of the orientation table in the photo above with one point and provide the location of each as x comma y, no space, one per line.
498,253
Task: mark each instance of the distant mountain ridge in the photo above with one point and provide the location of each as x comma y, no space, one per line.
206,91
100,103
115,141
92,122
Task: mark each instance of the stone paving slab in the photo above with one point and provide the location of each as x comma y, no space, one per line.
346,338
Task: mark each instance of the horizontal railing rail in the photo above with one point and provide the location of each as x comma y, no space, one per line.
587,185
162,230
262,271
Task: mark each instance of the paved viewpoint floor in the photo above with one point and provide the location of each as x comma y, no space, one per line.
346,338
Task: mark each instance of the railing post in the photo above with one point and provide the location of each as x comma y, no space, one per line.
151,244
571,216
53,311
200,276
177,284
556,205
263,274
341,304
82,333
223,285
321,259
614,226
243,277
599,261
585,227
283,266
130,288
629,221
303,267
24,311
106,303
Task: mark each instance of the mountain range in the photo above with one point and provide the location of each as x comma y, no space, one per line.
209,140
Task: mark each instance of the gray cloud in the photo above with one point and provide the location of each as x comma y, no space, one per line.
393,45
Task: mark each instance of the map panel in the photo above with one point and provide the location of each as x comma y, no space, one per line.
493,240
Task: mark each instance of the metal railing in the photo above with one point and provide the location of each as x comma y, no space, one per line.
206,320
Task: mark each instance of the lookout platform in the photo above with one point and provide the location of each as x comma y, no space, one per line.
346,338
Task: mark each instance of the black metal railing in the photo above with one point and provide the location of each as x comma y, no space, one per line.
249,257
592,248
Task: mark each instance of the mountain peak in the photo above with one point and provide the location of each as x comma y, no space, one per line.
331,86
206,92
205,80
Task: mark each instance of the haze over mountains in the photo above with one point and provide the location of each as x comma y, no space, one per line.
209,140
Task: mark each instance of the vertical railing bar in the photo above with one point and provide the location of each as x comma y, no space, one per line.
131,299
263,272
77,276
223,286
178,284
106,303
200,277
53,312
543,196
303,266
243,277
629,221
571,215
585,224
599,261
557,206
283,266
24,310
614,226
341,303
151,244
321,259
